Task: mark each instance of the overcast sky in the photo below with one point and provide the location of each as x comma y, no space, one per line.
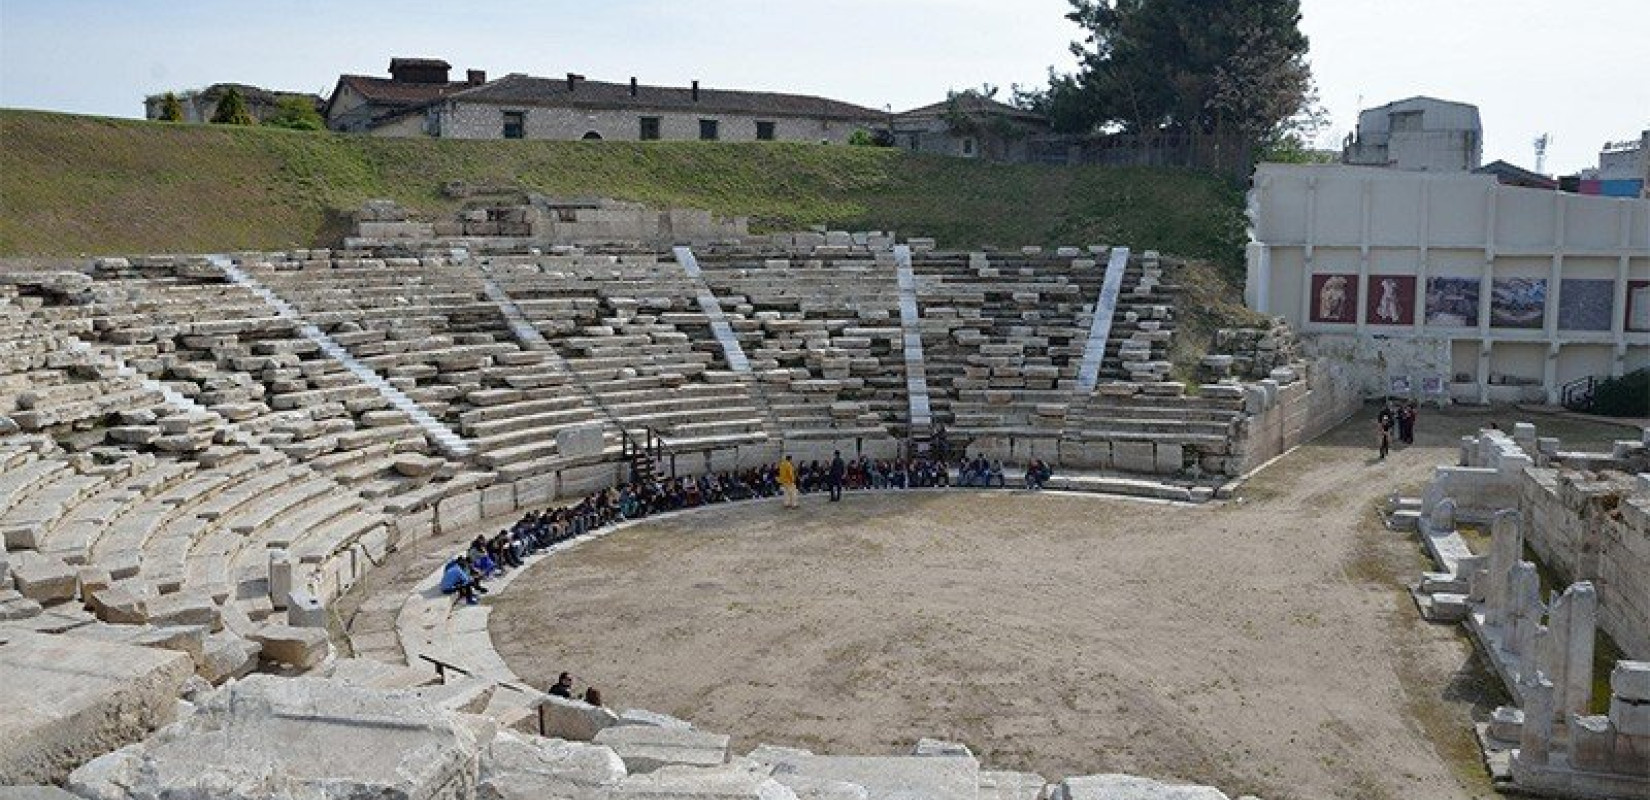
1577,69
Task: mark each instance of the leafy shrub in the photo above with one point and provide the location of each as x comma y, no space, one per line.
232,110
1626,396
171,109
296,113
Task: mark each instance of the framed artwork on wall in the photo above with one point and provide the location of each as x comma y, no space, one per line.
1391,300
1452,302
1334,298
1518,302
1586,304
1638,305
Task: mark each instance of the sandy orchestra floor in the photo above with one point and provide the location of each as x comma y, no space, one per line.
1261,646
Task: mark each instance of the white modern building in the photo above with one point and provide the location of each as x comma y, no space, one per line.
1422,134
1450,284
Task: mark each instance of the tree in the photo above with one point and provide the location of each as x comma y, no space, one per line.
1236,67
297,113
232,110
171,109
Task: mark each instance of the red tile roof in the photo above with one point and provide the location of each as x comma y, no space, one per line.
517,89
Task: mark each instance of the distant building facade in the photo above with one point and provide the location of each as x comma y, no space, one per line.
419,100
1509,174
1421,134
359,103
199,106
1451,284
1623,170
970,126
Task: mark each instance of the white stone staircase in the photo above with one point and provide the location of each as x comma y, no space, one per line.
916,378
443,437
1105,306
719,327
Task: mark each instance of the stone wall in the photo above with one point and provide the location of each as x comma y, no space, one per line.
475,121
1295,406
545,222
1596,527
1587,515
1377,360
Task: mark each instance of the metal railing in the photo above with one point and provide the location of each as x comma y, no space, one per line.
1577,395
650,445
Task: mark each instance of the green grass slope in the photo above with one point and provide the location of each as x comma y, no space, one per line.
72,185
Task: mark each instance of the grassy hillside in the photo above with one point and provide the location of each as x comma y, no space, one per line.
74,185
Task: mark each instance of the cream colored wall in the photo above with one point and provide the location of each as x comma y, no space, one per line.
1316,219
477,121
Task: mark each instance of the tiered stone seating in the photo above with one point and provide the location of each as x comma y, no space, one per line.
824,336
630,333
1154,428
1143,326
225,349
1004,337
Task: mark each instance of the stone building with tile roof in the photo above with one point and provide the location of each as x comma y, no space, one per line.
419,100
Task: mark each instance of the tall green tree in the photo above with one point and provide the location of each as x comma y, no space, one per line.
1233,67
171,108
232,110
297,113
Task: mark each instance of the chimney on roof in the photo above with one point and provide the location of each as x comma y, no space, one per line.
695,91
633,86
419,70
573,81
475,77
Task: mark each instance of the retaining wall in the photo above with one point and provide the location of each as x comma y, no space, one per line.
1595,527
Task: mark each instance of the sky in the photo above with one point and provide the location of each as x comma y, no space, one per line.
1578,70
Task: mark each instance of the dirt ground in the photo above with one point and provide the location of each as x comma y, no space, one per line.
1263,646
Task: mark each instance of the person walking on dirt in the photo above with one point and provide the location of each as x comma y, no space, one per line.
1384,424
839,471
787,481
1406,423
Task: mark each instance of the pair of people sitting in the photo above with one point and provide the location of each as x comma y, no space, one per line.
461,577
563,687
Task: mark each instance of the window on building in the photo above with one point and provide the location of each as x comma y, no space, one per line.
764,131
650,129
968,146
1406,121
591,136
515,124
709,130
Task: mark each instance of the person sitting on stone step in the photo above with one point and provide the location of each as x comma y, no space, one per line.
563,687
455,579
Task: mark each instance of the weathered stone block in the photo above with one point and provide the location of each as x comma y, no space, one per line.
119,604
688,783
580,441
69,698
226,655
43,579
645,748
527,768
294,737
299,647
1128,787
1630,680
573,719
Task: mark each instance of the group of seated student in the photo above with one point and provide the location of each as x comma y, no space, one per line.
488,557
865,473
980,472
